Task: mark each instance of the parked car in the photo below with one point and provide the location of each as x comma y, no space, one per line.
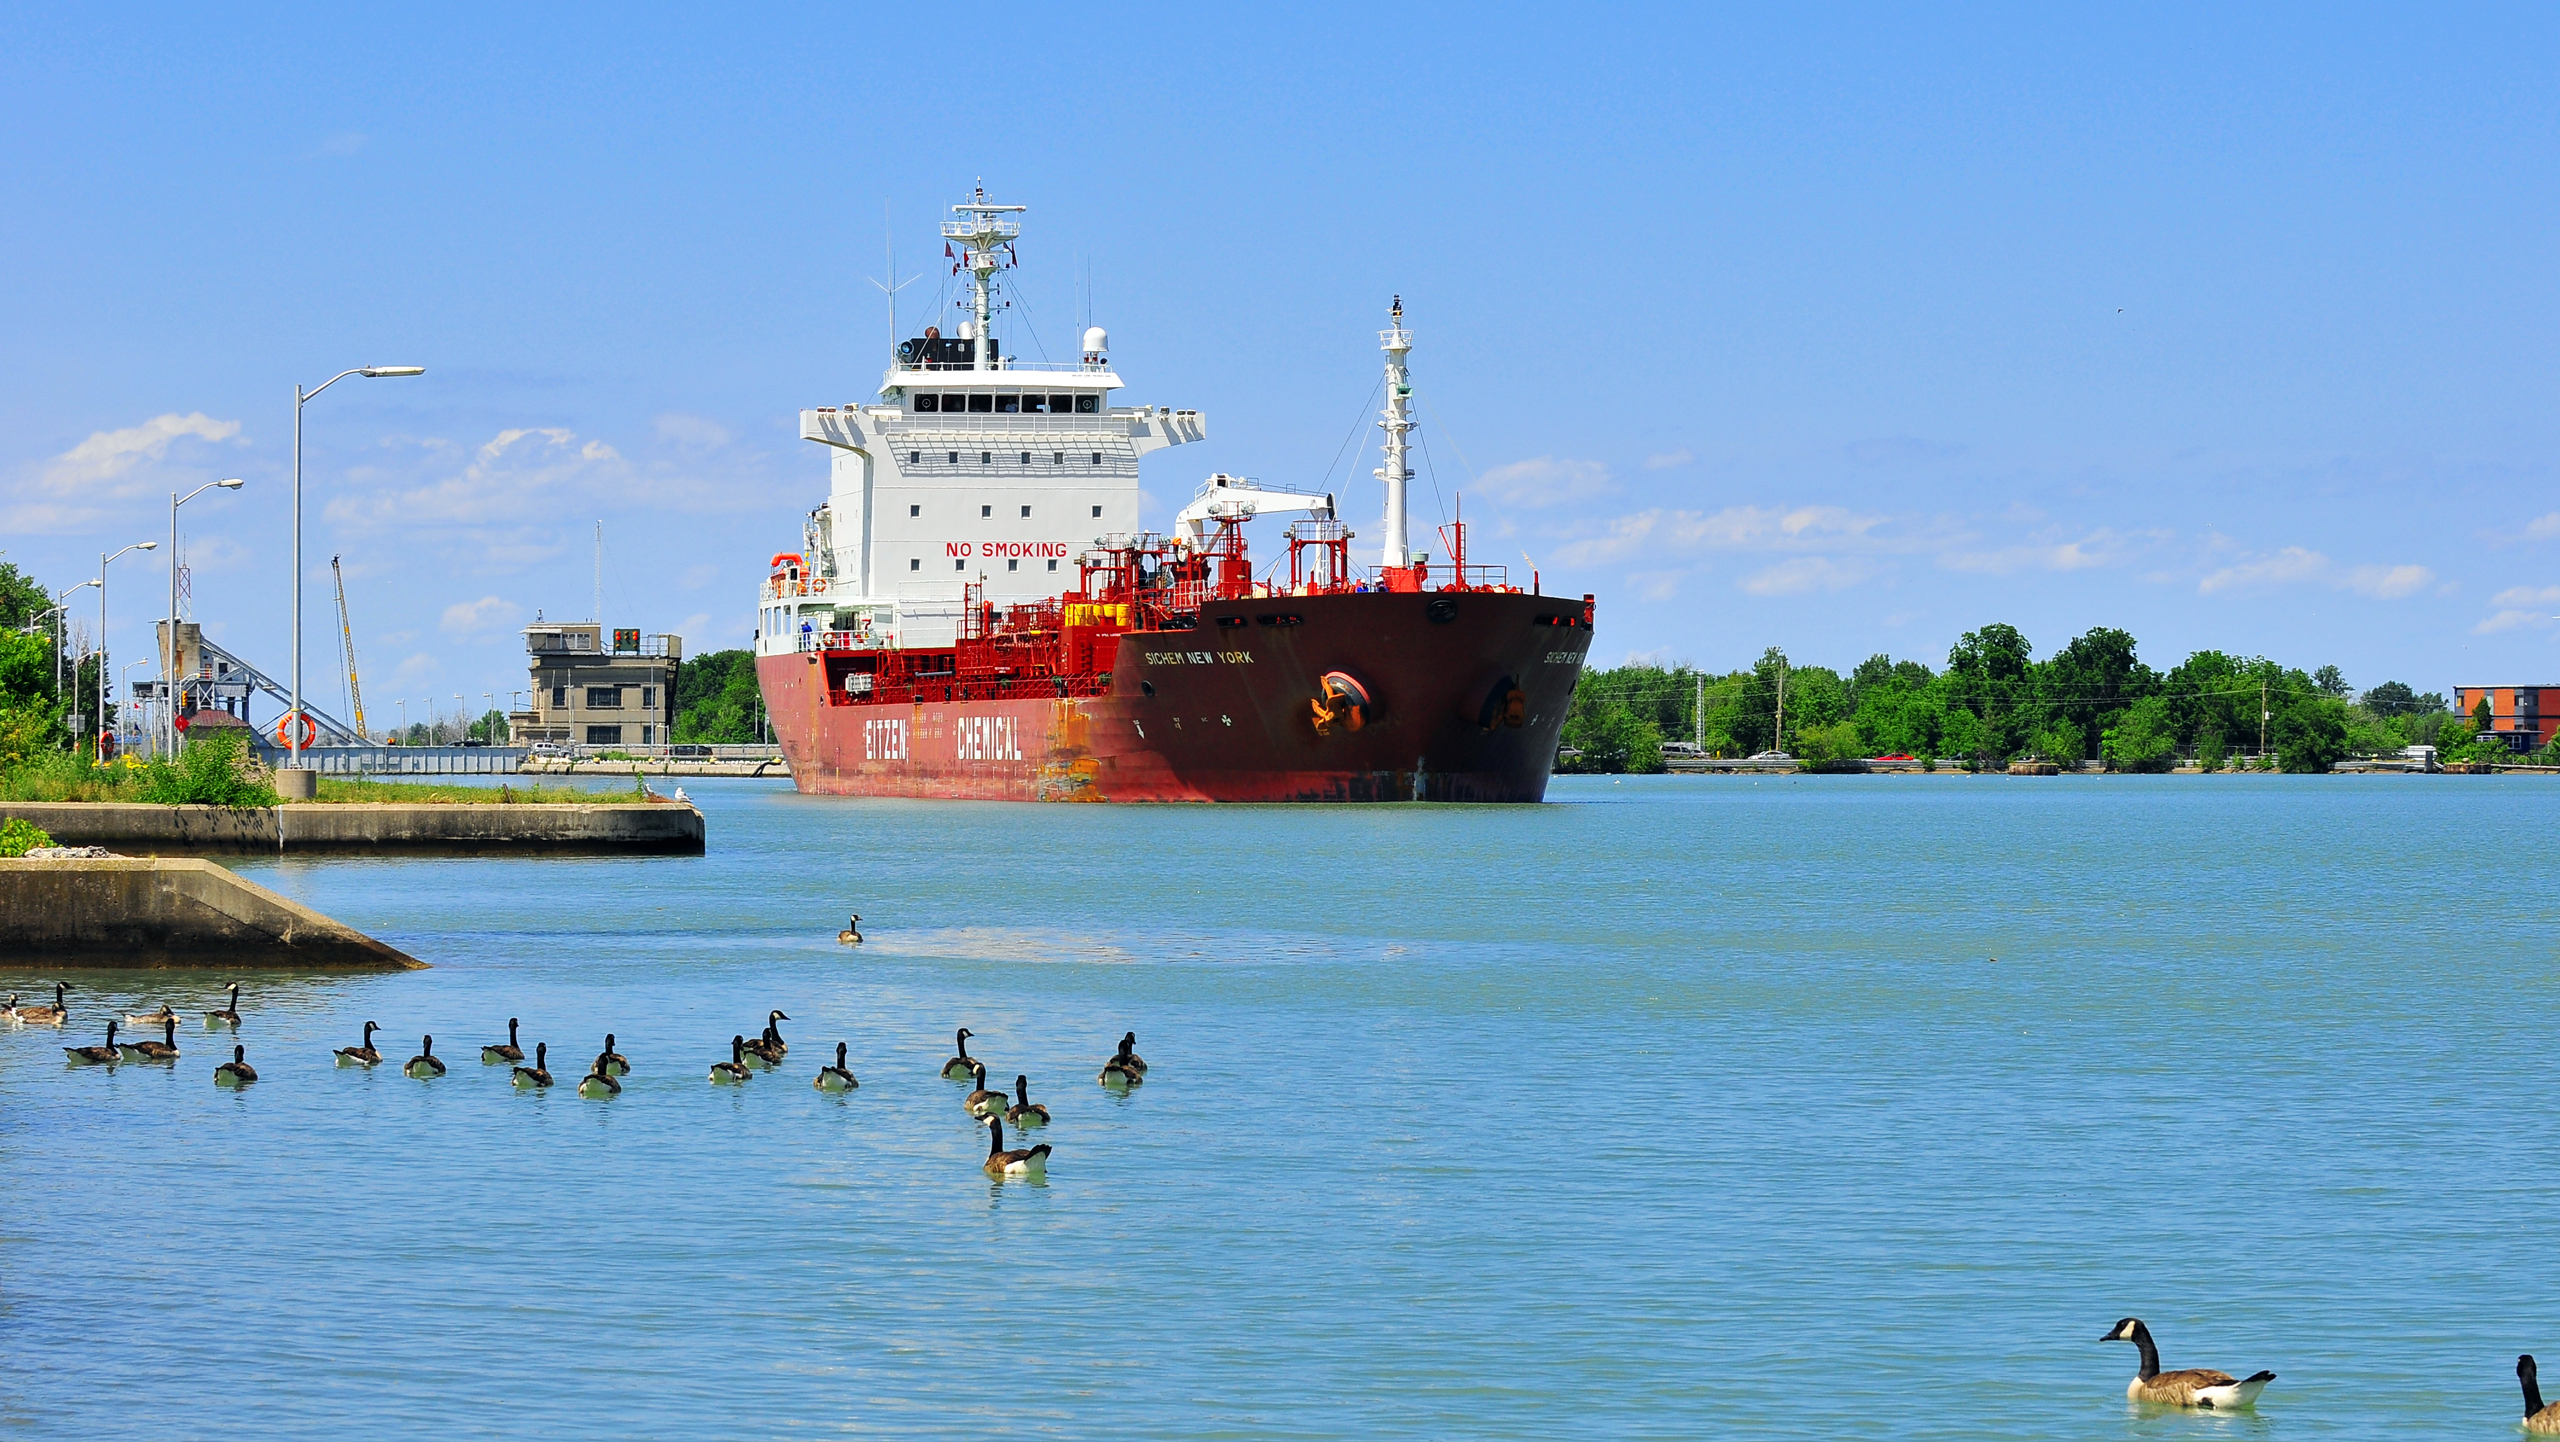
1771,756
1898,756
698,753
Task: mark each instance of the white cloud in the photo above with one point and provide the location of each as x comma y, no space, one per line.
2291,564
2522,606
481,617
2102,547
1545,481
2527,596
696,627
420,669
2389,583
1655,585
692,432
2543,528
1803,574
1668,459
108,454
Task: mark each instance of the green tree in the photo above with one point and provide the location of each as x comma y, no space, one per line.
1991,673
1613,738
2140,740
2482,718
717,702
2091,681
2310,734
2331,682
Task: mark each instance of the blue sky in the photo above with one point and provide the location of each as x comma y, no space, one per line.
1844,330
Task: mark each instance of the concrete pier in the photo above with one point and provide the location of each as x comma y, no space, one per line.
660,828
127,911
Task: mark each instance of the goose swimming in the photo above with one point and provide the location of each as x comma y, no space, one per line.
2537,1417
363,1055
599,1082
1024,1112
149,1018
236,1072
615,1061
1117,1073
506,1051
770,1048
734,1070
983,1103
95,1055
42,1015
836,1078
229,1015
538,1075
424,1065
165,1049
2192,1387
960,1068
1129,1054
852,933
1002,1163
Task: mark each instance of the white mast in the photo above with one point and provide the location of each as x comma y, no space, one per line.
982,230
1397,342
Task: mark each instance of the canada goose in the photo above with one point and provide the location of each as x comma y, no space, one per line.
509,1052
960,1068
599,1082
2193,1387
363,1055
734,1070
1002,1163
42,1015
9,1009
1023,1113
983,1103
229,1015
165,1049
149,1018
836,1078
1117,1074
770,1047
852,933
615,1062
236,1072
2537,1417
424,1064
1129,1054
95,1055
538,1075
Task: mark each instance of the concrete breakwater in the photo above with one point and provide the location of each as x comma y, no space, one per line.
129,911
651,829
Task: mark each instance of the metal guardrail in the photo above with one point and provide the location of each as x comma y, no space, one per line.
401,760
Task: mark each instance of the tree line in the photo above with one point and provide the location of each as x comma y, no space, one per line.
1993,703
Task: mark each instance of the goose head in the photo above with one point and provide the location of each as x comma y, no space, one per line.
541,1055
979,1070
111,1033
239,1056
369,1029
2128,1330
426,1046
839,1056
962,1040
608,1041
511,1031
738,1050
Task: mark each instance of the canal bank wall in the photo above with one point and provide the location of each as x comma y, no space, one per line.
659,828
129,911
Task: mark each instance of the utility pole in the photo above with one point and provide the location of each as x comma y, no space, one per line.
1698,712
1778,739
2262,720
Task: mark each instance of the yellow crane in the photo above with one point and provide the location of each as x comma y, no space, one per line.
347,648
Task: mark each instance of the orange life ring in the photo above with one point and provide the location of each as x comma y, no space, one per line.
818,586
310,730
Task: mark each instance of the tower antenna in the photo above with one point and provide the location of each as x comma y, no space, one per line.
896,285
984,232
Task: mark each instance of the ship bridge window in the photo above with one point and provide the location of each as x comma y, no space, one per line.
1026,513
1097,513
929,401
1026,460
915,510
959,565
955,458
1060,405
1034,405
915,565
1087,405
1053,565
914,456
1097,458
1013,565
1057,458
986,458
1008,405
986,511
980,402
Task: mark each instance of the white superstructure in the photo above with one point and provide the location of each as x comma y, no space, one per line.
973,466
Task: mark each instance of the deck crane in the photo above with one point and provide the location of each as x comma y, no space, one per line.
347,647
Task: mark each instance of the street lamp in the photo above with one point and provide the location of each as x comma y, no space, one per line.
293,727
103,559
61,611
169,643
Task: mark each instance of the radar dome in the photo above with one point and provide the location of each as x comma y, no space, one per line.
1096,340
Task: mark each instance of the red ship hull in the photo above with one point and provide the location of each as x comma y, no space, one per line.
1225,711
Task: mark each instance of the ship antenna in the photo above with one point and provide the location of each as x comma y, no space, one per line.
1397,342
891,290
984,231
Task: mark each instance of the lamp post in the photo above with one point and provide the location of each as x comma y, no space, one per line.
293,718
103,559
169,644
61,612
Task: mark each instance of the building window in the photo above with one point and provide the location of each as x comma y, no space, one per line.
986,458
648,735
1097,458
648,698
1053,565
915,565
1097,513
1013,565
560,698
1088,404
604,698
604,735
1008,405
986,511
1026,513
928,401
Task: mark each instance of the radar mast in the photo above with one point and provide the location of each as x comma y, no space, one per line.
986,237
1397,342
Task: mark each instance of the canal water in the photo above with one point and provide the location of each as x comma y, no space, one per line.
1674,1107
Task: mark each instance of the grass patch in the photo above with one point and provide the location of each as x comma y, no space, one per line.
358,790
65,776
